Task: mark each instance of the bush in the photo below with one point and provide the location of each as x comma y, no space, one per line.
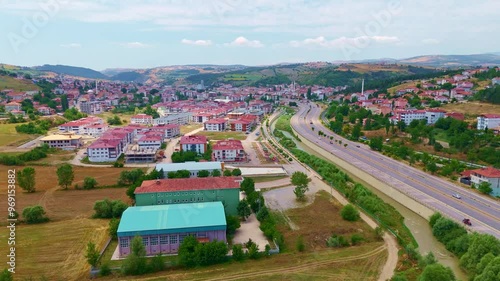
34,214
236,172
107,209
337,241
113,228
105,269
356,239
89,183
157,263
253,252
349,213
238,254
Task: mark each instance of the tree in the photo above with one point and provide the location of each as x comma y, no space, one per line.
243,209
106,209
431,167
253,251
356,132
186,253
209,253
92,255
247,186
113,228
236,172
34,214
182,174
135,263
65,175
349,213
491,272
26,179
485,187
437,272
89,183
233,223
157,263
238,254
479,246
130,177
300,181
215,173
376,143
227,173
203,174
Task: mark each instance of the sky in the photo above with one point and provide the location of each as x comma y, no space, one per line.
102,34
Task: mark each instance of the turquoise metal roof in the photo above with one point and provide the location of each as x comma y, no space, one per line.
174,218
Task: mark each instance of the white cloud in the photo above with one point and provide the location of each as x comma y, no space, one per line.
323,42
430,41
196,42
135,45
71,45
244,42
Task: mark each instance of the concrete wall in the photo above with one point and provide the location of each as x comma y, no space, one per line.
367,179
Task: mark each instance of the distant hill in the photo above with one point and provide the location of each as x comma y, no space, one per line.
73,71
131,76
454,60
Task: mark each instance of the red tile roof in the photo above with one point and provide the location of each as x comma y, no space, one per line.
488,172
490,116
168,185
193,139
227,145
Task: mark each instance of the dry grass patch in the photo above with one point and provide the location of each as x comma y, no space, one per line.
10,139
56,249
472,109
223,135
188,128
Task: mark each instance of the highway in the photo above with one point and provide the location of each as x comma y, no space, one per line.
429,190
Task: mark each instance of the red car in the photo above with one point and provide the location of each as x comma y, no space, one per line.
467,222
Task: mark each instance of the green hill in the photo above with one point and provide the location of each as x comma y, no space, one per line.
18,85
72,70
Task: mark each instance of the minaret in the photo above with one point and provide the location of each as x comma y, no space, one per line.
363,88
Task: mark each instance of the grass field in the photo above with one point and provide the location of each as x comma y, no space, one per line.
122,116
18,85
9,138
364,68
56,250
472,109
223,135
188,128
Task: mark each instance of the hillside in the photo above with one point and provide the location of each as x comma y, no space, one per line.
129,76
18,85
454,60
72,71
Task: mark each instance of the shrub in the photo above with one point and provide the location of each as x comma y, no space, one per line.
337,241
107,209
300,245
157,263
238,254
105,269
89,183
356,239
253,252
349,213
34,214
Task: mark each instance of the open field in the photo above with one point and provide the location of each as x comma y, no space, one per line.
191,127
64,204
122,116
318,221
18,85
10,139
223,135
56,250
402,86
364,68
472,109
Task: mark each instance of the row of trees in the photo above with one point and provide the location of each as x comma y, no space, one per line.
36,153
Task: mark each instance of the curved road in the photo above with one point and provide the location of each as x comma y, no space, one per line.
429,190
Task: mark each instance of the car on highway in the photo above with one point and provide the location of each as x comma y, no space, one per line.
467,222
358,146
456,195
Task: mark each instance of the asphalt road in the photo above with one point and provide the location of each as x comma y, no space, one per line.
431,191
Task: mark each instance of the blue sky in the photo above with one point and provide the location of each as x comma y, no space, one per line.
137,34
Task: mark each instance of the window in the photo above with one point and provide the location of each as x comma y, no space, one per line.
164,239
173,239
145,241
202,234
181,237
124,243
154,241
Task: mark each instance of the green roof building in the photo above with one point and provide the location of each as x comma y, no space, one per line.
164,227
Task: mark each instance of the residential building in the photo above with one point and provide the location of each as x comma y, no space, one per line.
434,114
137,154
190,190
488,121
12,106
192,167
194,143
142,119
150,141
495,81
163,228
228,151
215,125
63,141
488,174
179,119
105,150
408,116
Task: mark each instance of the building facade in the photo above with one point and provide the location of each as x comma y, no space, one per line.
163,228
142,119
215,125
488,174
488,121
228,151
194,143
63,141
190,190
